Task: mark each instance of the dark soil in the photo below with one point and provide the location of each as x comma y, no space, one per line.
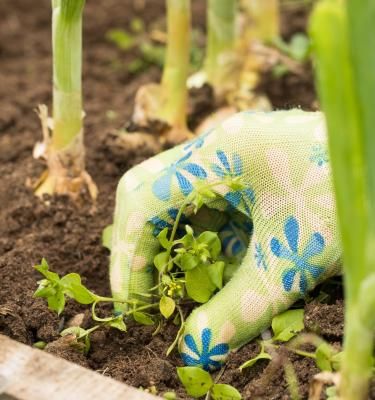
69,236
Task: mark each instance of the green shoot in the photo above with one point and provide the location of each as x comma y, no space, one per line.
56,290
190,267
176,67
199,382
286,325
167,102
340,36
64,150
220,44
67,70
263,18
286,329
297,49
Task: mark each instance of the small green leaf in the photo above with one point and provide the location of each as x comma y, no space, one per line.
45,289
40,345
117,323
212,241
161,261
198,284
197,202
167,306
221,391
215,272
57,301
187,261
163,239
43,269
166,279
251,362
287,325
299,47
74,289
189,230
77,331
186,241
107,237
142,318
137,25
196,381
122,39
336,360
169,396
324,353
82,337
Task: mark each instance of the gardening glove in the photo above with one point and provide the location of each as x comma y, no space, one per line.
282,223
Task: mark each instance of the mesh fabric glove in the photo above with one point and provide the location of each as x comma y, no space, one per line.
283,221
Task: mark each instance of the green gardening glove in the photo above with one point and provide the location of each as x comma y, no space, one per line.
281,223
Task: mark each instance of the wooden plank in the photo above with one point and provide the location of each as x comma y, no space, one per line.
28,374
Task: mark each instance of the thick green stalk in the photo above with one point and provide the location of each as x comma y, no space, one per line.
264,18
67,71
361,19
340,96
176,66
220,39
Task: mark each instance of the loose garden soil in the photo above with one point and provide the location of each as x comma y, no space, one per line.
69,235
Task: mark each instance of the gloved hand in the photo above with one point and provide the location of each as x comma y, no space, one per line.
288,202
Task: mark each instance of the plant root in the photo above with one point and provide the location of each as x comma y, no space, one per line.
149,103
66,172
320,380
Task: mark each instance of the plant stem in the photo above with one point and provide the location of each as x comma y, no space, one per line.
350,141
180,331
65,150
220,40
176,66
88,331
264,19
357,359
67,71
145,307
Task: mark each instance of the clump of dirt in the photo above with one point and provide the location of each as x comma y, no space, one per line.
69,235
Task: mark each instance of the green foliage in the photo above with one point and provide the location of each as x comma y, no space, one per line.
40,345
221,391
143,318
298,47
167,306
263,355
170,396
149,52
327,358
82,339
286,325
190,266
121,38
343,34
197,258
54,289
198,382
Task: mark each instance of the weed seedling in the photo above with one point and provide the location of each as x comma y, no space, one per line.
199,382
